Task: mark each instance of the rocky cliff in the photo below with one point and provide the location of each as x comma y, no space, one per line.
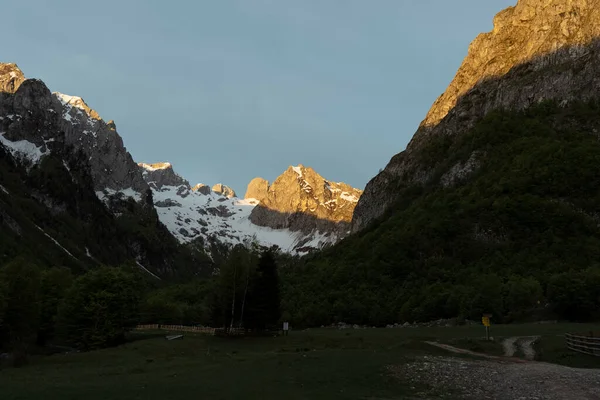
59,159
538,50
162,174
303,201
34,120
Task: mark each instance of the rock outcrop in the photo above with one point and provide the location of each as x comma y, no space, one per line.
202,189
223,190
162,174
258,189
302,200
11,77
538,50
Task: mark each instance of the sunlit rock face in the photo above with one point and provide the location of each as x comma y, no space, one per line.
223,190
538,50
300,212
11,77
302,200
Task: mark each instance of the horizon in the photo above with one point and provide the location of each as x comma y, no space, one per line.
263,87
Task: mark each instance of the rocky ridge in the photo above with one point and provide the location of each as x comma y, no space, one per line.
303,201
198,213
538,50
309,212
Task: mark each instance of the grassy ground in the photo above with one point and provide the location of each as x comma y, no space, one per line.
314,364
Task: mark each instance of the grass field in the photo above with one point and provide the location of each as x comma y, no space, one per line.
313,364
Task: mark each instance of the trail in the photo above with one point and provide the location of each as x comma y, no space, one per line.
458,350
489,379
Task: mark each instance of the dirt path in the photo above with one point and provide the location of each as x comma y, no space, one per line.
454,378
458,350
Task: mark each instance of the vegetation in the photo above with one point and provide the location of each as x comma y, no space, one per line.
51,215
315,364
518,237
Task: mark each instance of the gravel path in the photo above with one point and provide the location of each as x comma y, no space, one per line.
453,378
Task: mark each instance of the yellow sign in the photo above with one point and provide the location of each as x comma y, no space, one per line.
486,321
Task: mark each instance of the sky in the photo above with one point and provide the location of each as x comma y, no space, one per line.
227,90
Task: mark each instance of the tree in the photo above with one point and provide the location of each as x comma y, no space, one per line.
100,308
229,298
263,309
55,283
21,281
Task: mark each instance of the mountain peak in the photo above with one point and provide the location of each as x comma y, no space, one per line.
78,102
224,190
11,77
302,200
521,33
161,174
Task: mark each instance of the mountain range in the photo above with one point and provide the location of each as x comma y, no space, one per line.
493,206
54,136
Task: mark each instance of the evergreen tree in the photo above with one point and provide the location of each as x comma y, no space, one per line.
263,308
21,281
100,308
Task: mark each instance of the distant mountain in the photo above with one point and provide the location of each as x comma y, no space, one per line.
71,193
288,214
156,219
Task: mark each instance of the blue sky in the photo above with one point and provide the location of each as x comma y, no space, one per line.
227,90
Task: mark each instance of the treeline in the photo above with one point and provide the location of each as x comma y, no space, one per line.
517,237
45,308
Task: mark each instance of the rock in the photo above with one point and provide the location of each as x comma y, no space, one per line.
202,189
258,189
223,190
538,50
302,200
57,121
161,174
11,77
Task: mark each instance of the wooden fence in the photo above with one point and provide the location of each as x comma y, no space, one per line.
176,328
584,343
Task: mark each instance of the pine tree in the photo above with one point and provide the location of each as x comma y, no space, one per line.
263,309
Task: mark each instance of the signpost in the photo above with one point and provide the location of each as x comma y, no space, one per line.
286,328
486,322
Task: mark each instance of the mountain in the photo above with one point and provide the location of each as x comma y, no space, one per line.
538,50
301,200
71,193
494,205
288,213
80,190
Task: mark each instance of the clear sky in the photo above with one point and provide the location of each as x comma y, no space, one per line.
227,90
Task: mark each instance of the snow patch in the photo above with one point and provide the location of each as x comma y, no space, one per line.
73,101
56,243
105,194
298,170
4,189
23,149
145,269
349,197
